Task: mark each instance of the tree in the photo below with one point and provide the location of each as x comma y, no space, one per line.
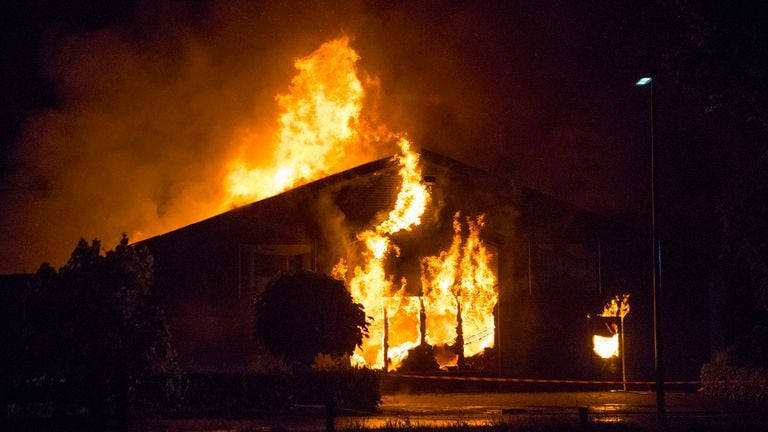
305,314
723,60
725,57
92,325
744,225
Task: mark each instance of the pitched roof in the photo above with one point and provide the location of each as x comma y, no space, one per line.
363,191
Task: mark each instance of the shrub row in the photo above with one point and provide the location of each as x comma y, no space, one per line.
738,383
353,389
256,395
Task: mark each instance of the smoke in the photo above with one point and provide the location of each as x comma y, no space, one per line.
148,114
146,117
333,229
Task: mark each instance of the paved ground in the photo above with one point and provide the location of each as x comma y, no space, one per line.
610,407
686,411
675,402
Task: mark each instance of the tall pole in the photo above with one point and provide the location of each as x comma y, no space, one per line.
660,406
623,358
656,262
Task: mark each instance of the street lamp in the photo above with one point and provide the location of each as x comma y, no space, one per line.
656,259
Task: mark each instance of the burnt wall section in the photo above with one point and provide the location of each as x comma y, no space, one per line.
557,264
209,273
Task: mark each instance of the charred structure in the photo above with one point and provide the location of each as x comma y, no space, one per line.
552,261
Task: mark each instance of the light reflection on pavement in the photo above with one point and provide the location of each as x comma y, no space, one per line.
637,408
687,411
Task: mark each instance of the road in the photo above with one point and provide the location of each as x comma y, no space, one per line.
686,411
635,408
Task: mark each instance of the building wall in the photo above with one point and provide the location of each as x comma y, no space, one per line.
547,261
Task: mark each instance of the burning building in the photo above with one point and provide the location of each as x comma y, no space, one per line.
439,253
491,266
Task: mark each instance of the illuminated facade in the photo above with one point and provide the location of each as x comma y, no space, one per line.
553,263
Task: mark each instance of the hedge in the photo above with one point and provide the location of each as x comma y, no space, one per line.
233,395
738,383
250,394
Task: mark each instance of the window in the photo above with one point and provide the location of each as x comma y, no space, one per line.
259,263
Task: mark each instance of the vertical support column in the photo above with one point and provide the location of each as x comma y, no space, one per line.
459,335
386,341
422,323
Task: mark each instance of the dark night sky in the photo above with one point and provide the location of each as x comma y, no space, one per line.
540,91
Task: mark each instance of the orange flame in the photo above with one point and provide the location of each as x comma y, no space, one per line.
372,287
460,279
320,131
608,347
618,306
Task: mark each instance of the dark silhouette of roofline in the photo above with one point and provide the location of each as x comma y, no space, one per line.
389,163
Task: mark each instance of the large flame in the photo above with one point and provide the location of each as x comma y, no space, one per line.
394,315
459,286
320,129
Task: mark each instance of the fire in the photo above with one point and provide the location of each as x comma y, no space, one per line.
322,131
608,347
618,306
439,276
394,315
460,287
320,128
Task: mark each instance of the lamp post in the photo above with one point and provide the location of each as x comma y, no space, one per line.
656,260
623,353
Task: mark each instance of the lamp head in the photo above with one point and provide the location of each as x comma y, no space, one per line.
644,81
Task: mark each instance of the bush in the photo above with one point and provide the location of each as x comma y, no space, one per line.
739,383
215,395
301,315
256,395
353,389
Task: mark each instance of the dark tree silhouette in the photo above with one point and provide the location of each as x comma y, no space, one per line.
722,62
92,326
744,224
305,314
